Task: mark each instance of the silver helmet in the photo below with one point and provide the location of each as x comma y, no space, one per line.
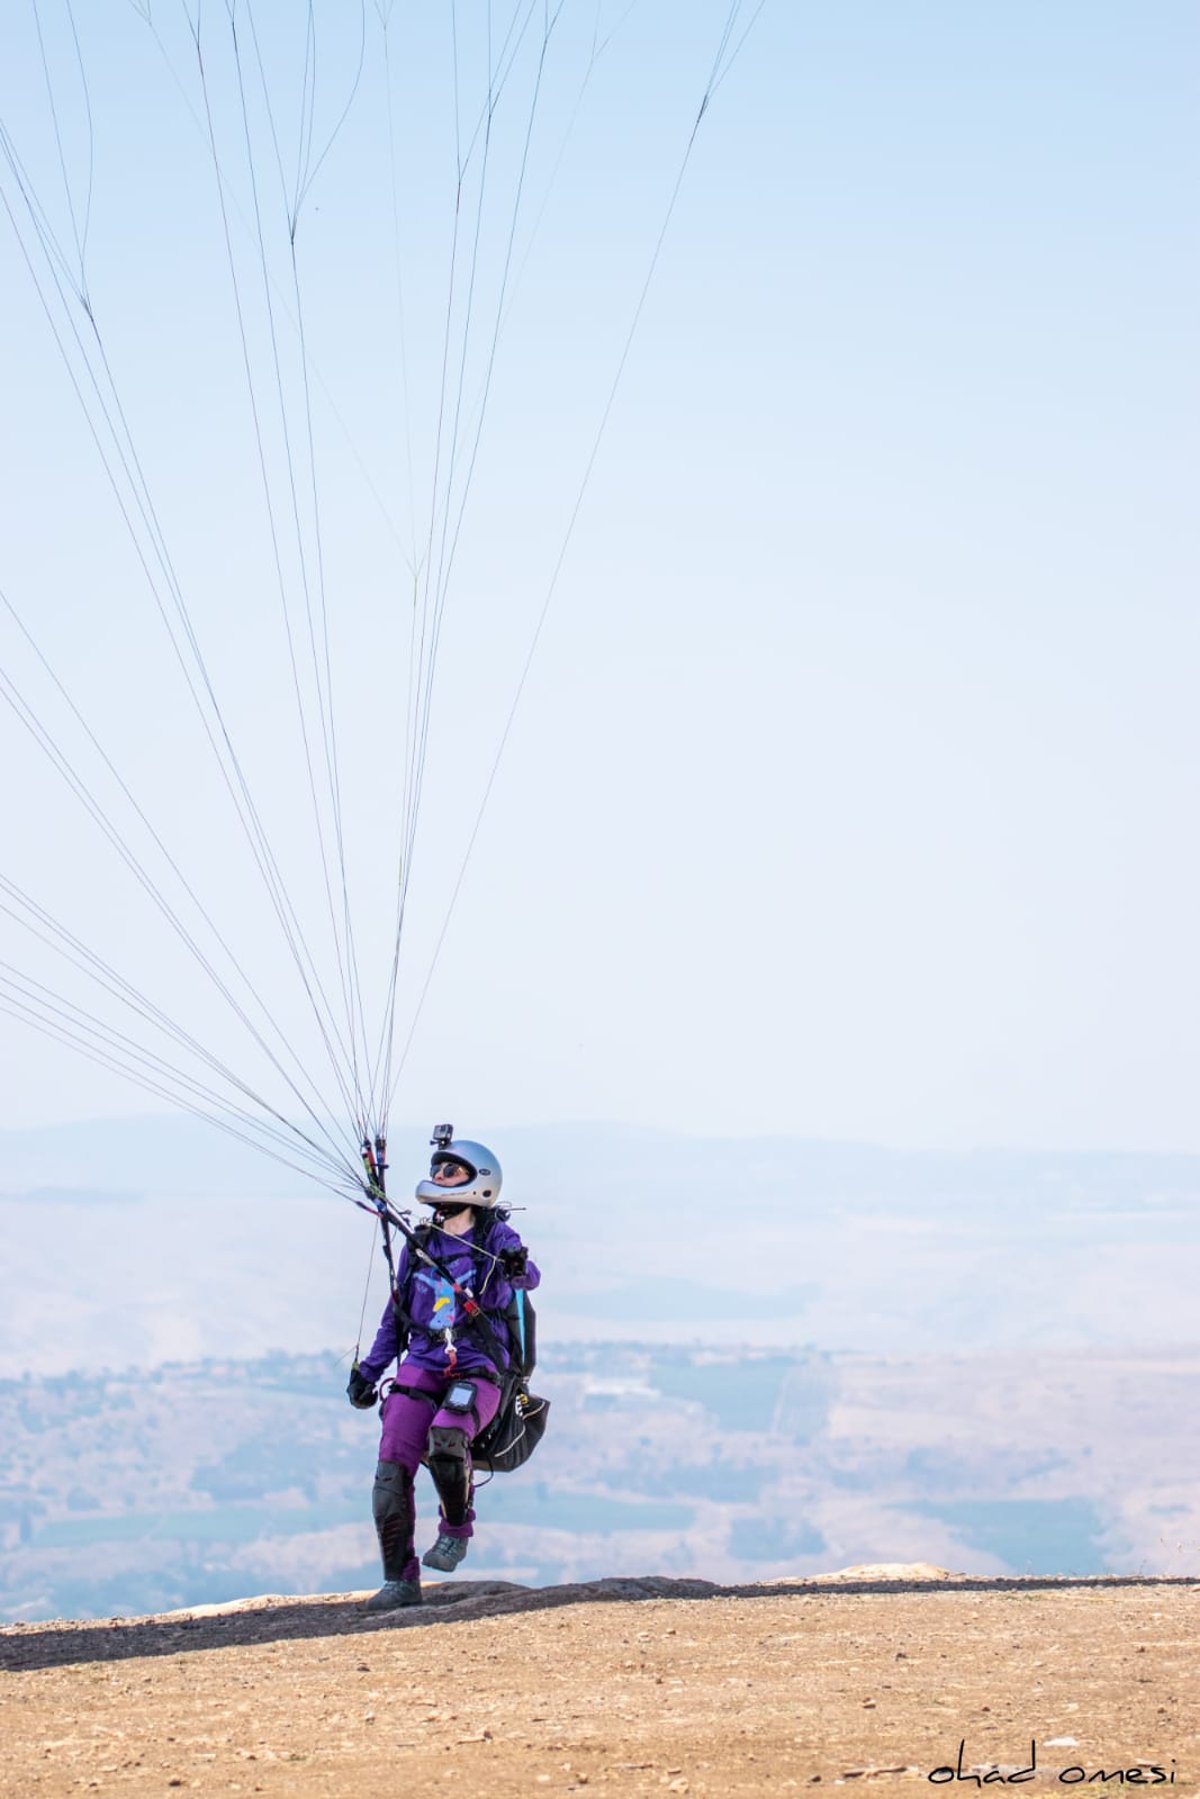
481,1188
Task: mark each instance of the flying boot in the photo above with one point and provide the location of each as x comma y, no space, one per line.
446,1553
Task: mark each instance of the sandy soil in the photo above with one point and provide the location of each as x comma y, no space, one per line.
637,1686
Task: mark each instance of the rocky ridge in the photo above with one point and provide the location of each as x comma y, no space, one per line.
883,1672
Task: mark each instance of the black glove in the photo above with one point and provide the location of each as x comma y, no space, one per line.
513,1261
363,1393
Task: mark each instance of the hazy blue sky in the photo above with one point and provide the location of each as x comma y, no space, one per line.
853,790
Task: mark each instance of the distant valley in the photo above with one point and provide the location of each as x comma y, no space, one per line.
211,1480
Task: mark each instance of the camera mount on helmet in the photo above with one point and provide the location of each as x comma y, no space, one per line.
484,1178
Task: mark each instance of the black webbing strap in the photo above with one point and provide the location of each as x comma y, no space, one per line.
433,1399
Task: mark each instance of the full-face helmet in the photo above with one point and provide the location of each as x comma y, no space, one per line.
479,1182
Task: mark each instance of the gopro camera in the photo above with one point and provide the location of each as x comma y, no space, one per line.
443,1135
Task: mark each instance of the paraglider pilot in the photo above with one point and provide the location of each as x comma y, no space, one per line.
447,1386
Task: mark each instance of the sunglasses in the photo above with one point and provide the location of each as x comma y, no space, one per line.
451,1171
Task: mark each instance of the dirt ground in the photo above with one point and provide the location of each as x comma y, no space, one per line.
633,1686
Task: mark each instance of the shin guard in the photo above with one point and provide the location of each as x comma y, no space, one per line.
395,1518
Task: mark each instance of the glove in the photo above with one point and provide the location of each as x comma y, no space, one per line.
513,1261
362,1392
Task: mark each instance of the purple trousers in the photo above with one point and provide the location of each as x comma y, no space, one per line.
407,1423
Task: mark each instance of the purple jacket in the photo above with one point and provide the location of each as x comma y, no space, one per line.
435,1311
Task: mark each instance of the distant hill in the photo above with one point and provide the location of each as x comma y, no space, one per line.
149,1240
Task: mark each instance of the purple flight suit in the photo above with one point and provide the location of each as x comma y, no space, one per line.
443,1348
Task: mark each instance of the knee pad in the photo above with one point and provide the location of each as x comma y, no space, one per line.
450,1465
392,1490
